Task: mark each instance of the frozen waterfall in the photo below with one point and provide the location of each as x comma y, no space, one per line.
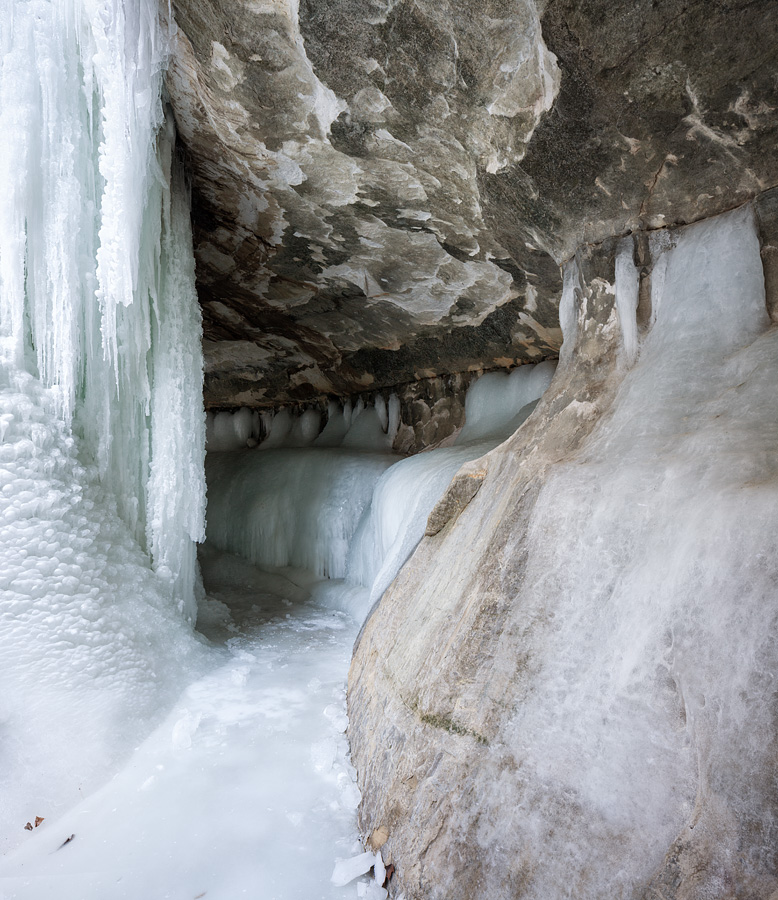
101,418
344,508
97,294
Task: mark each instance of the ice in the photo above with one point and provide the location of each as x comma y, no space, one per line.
96,272
93,649
371,891
101,420
293,507
227,796
627,289
337,425
280,429
655,697
369,427
305,429
353,511
497,403
347,870
379,870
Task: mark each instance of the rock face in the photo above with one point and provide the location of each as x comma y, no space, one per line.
383,190
568,690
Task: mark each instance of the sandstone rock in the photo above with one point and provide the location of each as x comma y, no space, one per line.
378,838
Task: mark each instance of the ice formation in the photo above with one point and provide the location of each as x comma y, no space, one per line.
101,421
243,789
362,426
654,703
96,272
93,648
343,507
633,736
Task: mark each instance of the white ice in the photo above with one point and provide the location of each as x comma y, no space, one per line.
245,788
655,552
101,420
353,511
93,649
347,870
97,290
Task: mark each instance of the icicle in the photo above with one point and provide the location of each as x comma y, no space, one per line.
96,279
627,289
568,313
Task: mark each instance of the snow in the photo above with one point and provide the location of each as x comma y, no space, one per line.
245,787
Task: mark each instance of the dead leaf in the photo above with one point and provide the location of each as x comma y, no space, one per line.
38,820
28,826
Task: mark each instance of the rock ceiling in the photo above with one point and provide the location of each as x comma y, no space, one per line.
383,190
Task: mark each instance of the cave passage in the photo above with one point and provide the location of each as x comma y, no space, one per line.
245,788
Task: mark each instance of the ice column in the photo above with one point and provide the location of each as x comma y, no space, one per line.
96,275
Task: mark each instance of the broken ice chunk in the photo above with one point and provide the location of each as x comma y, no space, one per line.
348,869
371,891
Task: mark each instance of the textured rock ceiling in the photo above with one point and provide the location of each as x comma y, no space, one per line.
383,189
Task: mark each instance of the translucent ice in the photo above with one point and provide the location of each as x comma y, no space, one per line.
101,421
654,703
96,272
348,869
355,512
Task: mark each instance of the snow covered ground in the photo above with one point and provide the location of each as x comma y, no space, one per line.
244,790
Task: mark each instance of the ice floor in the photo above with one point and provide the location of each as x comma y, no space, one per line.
245,790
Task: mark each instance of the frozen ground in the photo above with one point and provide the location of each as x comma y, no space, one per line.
244,790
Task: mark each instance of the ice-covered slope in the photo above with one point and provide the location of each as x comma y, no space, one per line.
579,670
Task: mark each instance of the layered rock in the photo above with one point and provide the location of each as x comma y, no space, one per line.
383,191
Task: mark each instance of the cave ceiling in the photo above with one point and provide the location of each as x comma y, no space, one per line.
383,190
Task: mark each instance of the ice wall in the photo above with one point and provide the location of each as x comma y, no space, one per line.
343,506
101,419
586,658
96,274
92,651
654,703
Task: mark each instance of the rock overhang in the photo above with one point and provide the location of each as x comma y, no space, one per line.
383,191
